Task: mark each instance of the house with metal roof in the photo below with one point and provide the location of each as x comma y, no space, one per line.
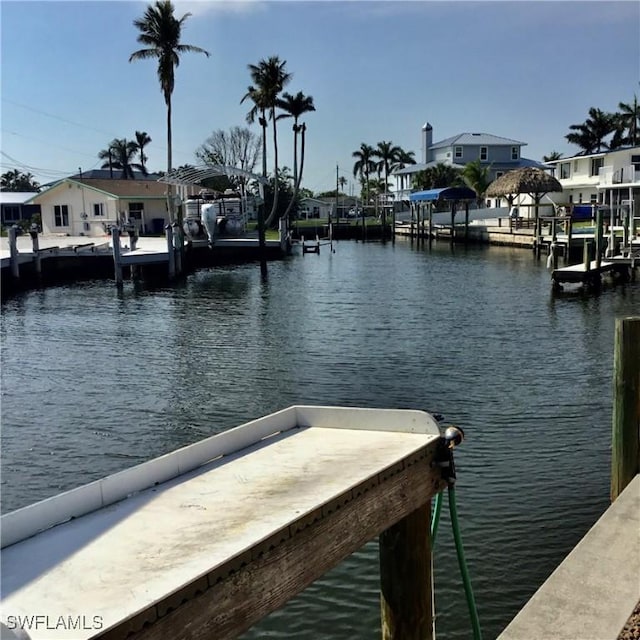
498,153
89,206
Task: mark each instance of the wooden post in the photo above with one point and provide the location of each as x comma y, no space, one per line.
586,255
13,250
168,230
466,222
430,221
117,263
599,236
35,244
567,256
453,220
625,437
178,244
406,598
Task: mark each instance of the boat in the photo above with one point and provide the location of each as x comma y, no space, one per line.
211,215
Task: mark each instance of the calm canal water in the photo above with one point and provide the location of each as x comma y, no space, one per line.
95,380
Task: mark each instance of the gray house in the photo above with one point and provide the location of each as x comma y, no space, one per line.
500,154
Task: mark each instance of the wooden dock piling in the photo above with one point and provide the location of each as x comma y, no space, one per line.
13,251
406,582
117,254
625,440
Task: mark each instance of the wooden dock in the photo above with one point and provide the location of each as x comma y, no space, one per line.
205,541
28,260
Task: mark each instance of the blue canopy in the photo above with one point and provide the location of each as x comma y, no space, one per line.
448,193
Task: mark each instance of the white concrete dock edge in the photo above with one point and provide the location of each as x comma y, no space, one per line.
591,595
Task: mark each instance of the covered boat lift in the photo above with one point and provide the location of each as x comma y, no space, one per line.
421,199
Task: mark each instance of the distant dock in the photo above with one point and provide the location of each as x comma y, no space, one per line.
33,260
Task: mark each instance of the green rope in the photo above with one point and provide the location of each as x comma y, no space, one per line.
471,603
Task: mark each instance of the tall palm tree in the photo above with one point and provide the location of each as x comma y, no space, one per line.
629,118
476,175
363,166
120,155
143,139
160,33
388,154
590,135
269,78
294,107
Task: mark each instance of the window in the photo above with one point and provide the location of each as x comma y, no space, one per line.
457,152
594,198
514,153
61,215
98,209
565,170
484,153
136,209
635,161
596,164
11,213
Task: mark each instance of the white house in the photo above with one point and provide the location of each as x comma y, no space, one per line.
609,178
500,154
88,206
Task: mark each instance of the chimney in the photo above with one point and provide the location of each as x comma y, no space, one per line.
427,141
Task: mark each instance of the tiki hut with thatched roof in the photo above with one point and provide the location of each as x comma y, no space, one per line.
530,180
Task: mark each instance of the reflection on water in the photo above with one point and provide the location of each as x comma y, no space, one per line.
95,380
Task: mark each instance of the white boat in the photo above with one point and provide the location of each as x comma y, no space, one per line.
212,215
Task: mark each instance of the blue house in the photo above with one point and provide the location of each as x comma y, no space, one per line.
500,154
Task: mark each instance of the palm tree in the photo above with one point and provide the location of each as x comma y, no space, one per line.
143,139
403,158
590,135
476,175
119,155
388,154
363,166
554,155
269,77
160,33
294,107
629,118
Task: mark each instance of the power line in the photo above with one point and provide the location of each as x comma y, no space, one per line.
51,115
21,135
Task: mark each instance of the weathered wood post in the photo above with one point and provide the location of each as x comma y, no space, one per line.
586,255
117,261
625,437
406,597
453,220
35,244
599,237
168,231
178,245
466,221
430,221
13,250
567,255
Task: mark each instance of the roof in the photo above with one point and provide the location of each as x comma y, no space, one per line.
499,166
483,139
117,188
525,180
105,174
447,193
16,197
421,166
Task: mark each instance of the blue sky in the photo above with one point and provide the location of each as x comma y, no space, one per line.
376,70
